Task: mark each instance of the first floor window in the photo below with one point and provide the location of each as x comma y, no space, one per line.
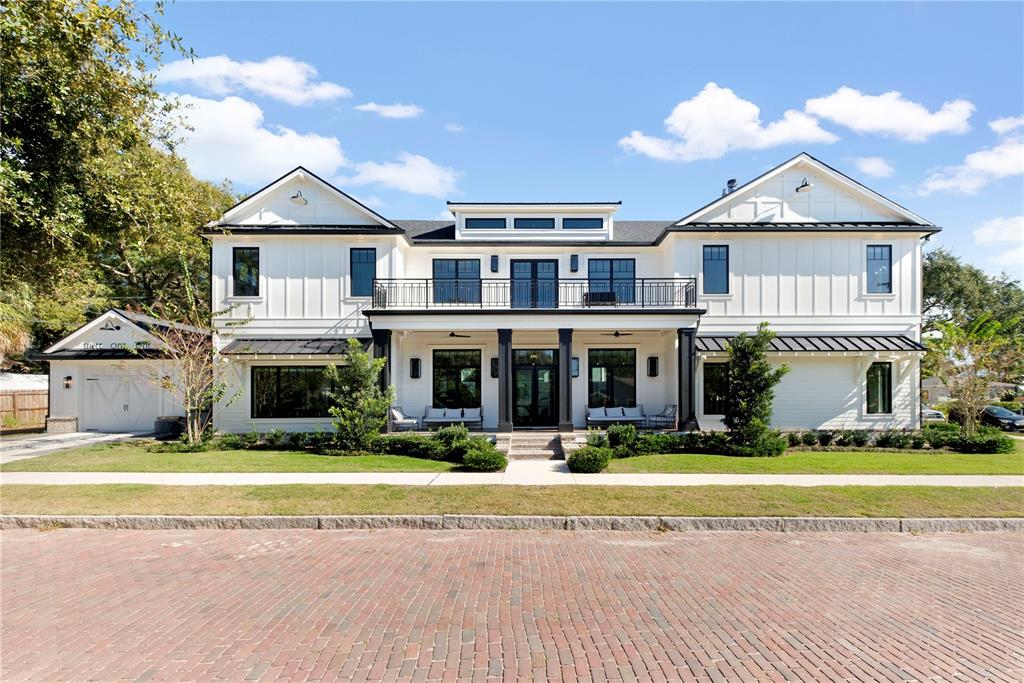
612,381
716,269
456,281
716,387
364,270
880,388
245,271
290,391
879,268
456,378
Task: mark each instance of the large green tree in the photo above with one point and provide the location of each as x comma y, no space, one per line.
96,209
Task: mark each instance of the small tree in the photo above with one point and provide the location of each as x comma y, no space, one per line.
967,358
750,394
360,408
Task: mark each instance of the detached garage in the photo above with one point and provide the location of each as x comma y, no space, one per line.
105,376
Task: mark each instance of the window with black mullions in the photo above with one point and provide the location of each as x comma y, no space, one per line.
612,381
457,281
879,389
290,391
245,271
716,269
716,387
879,269
617,275
363,270
456,378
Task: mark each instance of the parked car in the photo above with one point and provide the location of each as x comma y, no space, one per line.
1007,420
932,415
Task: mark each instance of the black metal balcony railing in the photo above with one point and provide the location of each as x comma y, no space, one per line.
501,293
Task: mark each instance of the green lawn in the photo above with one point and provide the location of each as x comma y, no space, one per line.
847,501
822,462
127,457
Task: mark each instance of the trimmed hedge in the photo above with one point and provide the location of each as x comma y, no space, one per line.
589,459
482,456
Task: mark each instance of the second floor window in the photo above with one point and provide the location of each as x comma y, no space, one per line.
364,269
485,224
716,269
456,281
615,276
879,269
245,271
534,223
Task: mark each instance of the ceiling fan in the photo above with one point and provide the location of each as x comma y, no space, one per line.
452,335
617,334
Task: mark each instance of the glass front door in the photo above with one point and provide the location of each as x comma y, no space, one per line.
534,284
535,385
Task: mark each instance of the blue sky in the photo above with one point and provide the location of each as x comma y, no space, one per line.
511,102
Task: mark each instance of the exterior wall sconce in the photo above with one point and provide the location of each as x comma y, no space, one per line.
67,381
574,263
494,263
804,186
414,368
575,367
652,366
494,368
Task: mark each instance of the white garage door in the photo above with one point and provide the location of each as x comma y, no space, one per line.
121,400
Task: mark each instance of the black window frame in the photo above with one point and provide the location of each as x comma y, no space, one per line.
611,397
461,395
516,226
872,255
236,280
624,287
486,224
316,410
457,289
353,282
566,221
713,253
714,396
886,398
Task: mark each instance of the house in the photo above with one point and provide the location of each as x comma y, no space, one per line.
536,311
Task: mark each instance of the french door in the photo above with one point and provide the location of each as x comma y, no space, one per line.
534,284
535,387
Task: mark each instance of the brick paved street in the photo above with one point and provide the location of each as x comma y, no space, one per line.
415,605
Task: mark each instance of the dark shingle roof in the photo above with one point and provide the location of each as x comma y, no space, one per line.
793,343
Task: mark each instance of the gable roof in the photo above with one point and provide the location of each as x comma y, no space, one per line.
804,158
141,323
304,172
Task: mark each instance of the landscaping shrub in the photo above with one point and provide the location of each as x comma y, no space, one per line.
940,434
650,444
297,440
750,393
808,438
984,440
844,438
589,460
860,438
359,408
596,438
824,438
892,439
793,438
622,435
451,434
229,442
274,438
412,445
917,441
250,439
482,456
768,445
320,441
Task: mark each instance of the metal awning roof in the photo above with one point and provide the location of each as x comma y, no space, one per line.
785,343
100,354
319,346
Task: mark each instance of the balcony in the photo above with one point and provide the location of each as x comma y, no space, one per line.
507,294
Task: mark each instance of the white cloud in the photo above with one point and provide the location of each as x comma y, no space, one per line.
372,201
1006,238
392,111
716,121
978,169
874,166
280,78
1006,124
891,114
453,127
411,173
230,140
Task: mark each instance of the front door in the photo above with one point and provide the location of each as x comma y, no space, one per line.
534,284
535,384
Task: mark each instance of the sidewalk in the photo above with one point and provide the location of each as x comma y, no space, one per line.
519,473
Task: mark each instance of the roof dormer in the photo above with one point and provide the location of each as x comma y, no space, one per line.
498,221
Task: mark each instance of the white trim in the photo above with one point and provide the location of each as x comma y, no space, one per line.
89,326
878,296
229,294
731,294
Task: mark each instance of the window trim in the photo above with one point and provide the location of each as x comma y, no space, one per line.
467,219
478,279
611,274
229,294
867,390
703,385
279,367
590,371
702,281
456,349
351,270
891,294
516,219
600,220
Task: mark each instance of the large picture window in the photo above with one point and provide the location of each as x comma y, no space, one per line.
456,378
612,381
289,391
617,275
245,271
880,389
879,269
456,281
364,270
716,269
716,387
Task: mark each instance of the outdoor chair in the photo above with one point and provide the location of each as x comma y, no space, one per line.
400,421
666,419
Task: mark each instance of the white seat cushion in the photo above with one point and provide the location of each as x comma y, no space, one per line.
613,412
453,413
435,414
637,411
471,414
595,413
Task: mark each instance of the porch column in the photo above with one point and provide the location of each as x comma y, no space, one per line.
504,380
687,354
565,380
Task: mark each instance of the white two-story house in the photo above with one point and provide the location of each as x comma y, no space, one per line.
536,311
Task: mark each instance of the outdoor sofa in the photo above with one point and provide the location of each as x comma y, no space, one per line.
609,416
439,417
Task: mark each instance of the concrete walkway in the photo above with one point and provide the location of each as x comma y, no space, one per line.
519,473
32,445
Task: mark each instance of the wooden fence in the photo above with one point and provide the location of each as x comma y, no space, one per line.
23,409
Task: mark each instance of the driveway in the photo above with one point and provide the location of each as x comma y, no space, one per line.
31,445
424,605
